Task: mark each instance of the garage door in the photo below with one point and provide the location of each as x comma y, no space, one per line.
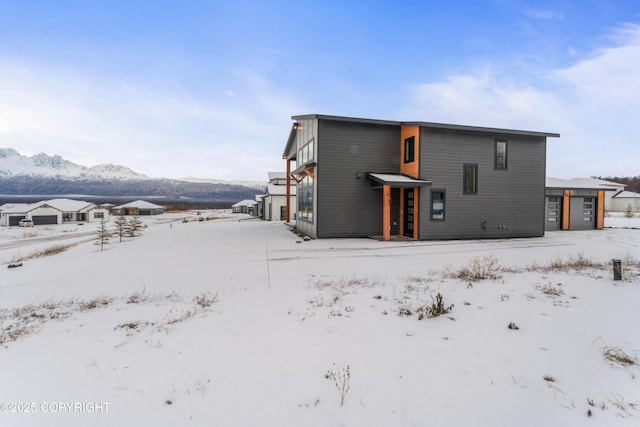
15,220
552,213
583,213
45,219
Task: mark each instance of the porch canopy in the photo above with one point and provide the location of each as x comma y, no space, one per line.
379,180
386,182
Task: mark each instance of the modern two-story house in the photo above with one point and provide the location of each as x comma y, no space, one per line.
363,177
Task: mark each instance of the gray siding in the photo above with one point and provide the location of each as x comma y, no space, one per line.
346,205
510,203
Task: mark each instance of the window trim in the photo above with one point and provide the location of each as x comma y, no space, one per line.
412,140
464,178
506,154
444,205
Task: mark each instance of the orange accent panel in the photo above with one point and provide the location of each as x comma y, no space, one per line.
402,212
410,169
386,213
600,213
565,209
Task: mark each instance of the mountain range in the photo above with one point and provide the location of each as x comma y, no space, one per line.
42,174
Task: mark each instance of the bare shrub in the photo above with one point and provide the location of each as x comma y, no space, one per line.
205,300
625,408
618,356
341,379
437,308
550,290
549,378
181,317
95,303
577,262
480,268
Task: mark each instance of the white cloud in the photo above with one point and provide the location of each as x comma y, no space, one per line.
157,131
594,104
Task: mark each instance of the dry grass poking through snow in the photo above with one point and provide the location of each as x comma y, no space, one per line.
52,250
20,322
616,355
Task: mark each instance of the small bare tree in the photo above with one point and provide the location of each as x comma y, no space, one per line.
121,226
134,226
103,234
341,379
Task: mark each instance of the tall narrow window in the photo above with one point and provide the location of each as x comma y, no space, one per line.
470,178
437,205
500,154
410,149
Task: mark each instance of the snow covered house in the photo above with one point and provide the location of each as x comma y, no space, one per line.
139,207
363,177
274,203
55,211
244,206
625,200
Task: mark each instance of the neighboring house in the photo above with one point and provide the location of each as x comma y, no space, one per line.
362,177
139,207
244,206
259,210
624,199
79,211
274,203
576,204
55,211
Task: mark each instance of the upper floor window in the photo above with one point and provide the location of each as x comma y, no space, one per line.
410,149
470,178
500,156
306,153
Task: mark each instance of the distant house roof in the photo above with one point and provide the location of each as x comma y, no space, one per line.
582,183
17,207
67,205
277,175
627,195
280,190
140,204
245,202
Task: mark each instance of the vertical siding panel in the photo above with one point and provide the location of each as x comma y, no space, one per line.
346,204
509,202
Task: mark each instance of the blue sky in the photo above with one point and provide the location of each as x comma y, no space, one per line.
208,88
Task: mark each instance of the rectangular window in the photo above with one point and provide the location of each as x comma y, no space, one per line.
438,205
500,155
305,199
470,178
98,215
410,149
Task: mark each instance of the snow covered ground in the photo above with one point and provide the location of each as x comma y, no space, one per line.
235,322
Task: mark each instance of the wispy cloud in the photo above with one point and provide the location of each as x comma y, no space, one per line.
592,103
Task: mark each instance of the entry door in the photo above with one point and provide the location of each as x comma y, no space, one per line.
409,204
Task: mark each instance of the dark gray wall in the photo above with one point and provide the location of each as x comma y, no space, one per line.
510,201
347,206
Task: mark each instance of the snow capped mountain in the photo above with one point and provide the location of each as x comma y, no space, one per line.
13,164
42,174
